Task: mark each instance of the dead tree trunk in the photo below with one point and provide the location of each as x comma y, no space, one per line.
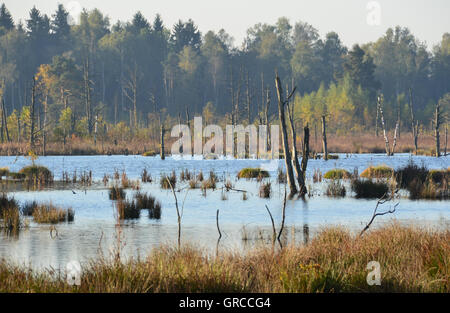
286,150
2,133
389,152
324,139
298,171
248,100
161,152
414,123
376,119
32,107
437,124
386,140
305,156
445,147
396,133
266,119
87,95
44,133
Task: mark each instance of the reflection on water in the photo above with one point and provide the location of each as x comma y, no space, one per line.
94,231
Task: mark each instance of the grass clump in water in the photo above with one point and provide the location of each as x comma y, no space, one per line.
4,171
252,173
148,202
337,173
37,174
369,189
127,210
335,188
423,183
50,214
116,193
210,183
10,217
380,171
409,173
265,190
164,181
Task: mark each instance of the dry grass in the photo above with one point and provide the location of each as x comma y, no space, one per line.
369,143
49,214
380,171
337,173
365,142
411,259
252,173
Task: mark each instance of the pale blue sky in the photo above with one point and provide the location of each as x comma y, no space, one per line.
428,20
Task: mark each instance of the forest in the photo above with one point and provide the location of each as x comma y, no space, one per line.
96,80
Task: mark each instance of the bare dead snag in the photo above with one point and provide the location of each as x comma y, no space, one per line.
283,217
437,124
178,212
32,109
396,133
324,139
217,223
305,156
389,152
298,170
162,132
414,123
274,231
286,150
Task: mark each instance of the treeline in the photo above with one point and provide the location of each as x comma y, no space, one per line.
91,78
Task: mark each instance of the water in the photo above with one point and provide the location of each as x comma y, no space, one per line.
94,230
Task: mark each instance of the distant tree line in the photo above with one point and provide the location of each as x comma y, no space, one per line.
59,80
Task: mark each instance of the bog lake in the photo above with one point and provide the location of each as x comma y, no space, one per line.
244,223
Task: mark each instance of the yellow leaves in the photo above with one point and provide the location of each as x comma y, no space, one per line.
32,155
45,80
189,60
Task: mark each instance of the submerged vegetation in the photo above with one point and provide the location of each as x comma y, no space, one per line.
334,261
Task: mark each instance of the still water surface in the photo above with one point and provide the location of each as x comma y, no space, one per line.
94,230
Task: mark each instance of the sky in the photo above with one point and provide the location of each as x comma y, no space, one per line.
356,21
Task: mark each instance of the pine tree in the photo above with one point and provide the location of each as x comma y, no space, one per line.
158,24
139,23
6,20
59,25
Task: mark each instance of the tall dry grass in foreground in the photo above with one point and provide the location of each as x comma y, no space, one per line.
412,260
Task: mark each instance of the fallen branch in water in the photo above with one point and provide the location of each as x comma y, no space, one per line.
385,198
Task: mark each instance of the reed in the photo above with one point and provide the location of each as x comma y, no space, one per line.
116,193
50,214
265,190
165,179
335,188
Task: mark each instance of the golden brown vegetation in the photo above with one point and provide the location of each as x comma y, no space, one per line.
411,259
